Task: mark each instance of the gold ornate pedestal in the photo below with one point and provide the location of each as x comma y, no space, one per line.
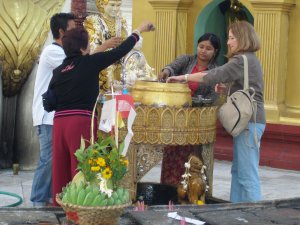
156,127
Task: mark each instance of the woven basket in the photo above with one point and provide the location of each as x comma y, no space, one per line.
92,215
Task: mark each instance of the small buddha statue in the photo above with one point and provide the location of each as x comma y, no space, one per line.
136,67
101,27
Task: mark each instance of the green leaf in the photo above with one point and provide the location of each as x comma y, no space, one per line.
100,137
110,184
114,154
121,147
80,158
105,142
82,144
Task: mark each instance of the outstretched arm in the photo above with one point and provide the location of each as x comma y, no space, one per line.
197,77
110,43
104,59
175,68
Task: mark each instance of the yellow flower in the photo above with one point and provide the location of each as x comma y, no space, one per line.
107,173
199,202
101,162
126,162
95,168
90,161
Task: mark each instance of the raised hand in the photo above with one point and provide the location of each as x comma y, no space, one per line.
145,27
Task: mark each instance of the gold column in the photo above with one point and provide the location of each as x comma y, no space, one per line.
292,101
171,34
272,24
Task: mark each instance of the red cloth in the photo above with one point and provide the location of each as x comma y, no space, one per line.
67,132
194,85
174,158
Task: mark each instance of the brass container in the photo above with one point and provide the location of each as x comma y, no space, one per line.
161,94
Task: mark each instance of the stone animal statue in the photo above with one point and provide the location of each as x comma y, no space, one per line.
192,188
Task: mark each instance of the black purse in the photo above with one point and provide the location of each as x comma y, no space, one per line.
49,100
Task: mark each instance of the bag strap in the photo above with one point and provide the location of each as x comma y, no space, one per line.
246,87
246,76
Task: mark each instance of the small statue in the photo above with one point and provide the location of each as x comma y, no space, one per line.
193,187
136,67
101,27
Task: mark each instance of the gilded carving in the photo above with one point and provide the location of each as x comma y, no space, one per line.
50,6
208,159
139,137
147,157
166,138
152,138
193,119
192,138
180,119
24,27
140,117
156,127
174,126
167,119
180,138
153,118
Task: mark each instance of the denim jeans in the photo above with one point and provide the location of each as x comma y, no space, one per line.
245,182
42,180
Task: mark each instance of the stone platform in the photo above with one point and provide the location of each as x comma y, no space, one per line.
284,212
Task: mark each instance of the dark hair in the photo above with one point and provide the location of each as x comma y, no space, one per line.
74,40
214,40
60,21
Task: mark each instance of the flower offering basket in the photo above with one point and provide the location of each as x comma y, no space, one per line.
92,215
97,164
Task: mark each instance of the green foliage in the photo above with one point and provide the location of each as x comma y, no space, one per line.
90,195
104,158
101,167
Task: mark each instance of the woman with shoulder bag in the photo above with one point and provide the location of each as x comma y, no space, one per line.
242,40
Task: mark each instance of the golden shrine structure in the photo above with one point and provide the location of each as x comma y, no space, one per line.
165,117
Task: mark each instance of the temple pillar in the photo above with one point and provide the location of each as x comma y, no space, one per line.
272,25
292,100
171,37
